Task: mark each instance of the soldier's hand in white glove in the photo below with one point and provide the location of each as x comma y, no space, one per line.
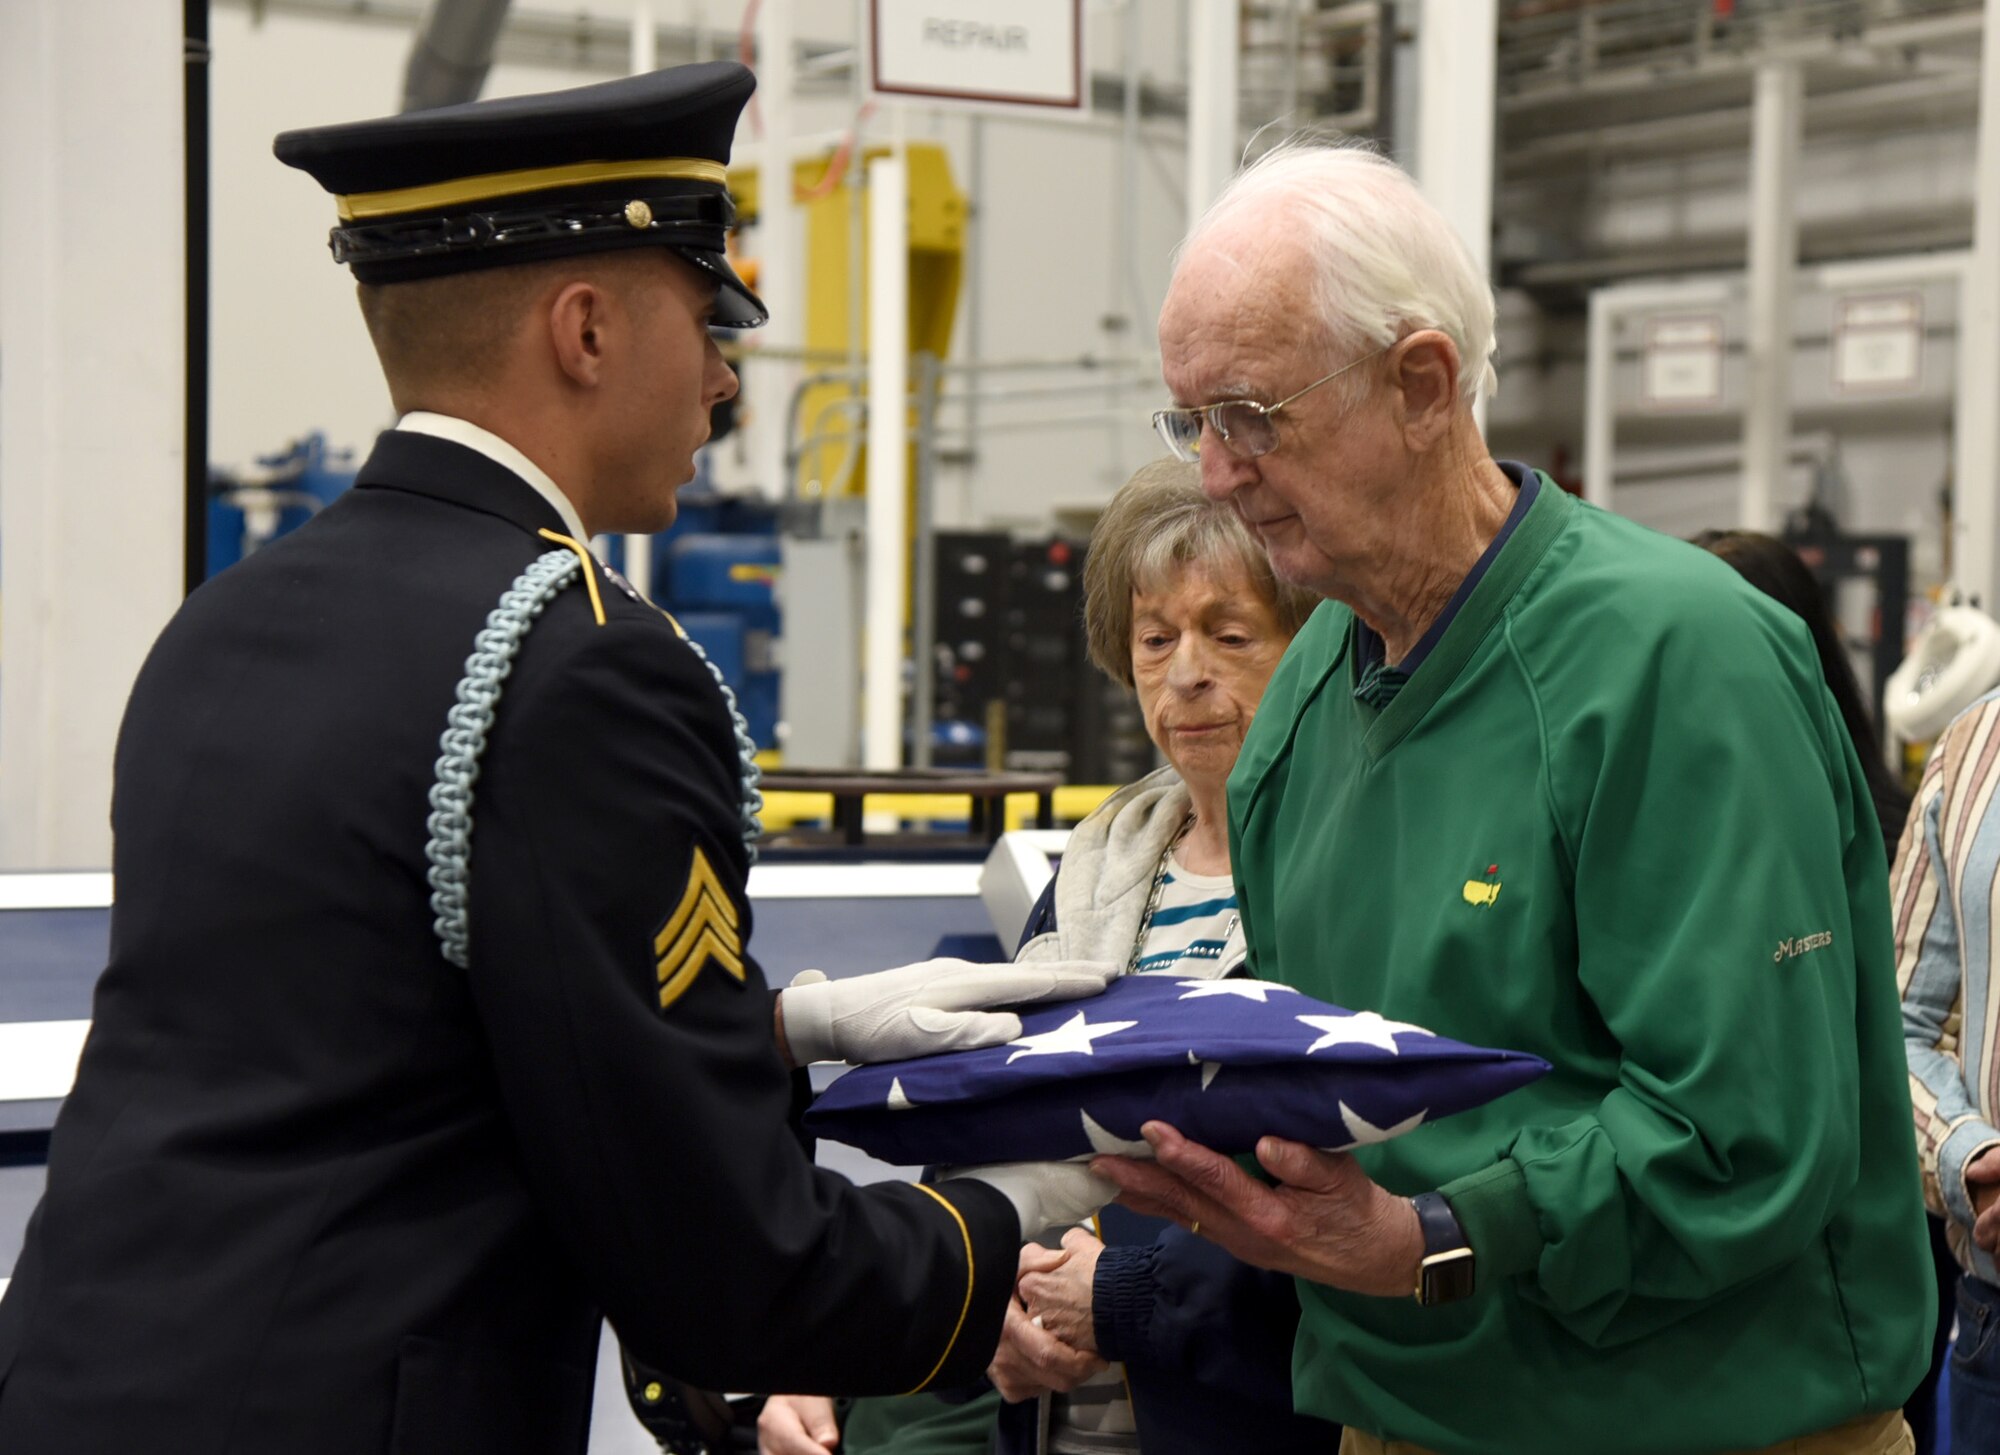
1045,1194
925,1008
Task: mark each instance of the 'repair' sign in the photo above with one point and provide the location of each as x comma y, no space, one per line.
991,54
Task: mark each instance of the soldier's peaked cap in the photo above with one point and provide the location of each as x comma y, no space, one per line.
636,162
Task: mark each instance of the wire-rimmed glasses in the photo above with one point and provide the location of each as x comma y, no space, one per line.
1246,428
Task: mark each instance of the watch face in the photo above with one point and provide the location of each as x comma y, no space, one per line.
1447,1277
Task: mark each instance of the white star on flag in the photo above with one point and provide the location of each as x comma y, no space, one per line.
1102,1140
1072,1037
1257,990
1364,1131
899,1099
1364,1028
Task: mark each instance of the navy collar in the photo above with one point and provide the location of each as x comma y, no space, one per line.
421,464
1376,681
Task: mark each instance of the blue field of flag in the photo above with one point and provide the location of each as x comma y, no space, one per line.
1225,1061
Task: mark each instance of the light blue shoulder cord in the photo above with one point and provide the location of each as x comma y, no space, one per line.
449,848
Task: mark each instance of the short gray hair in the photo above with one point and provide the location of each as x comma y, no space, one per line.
1158,522
1385,261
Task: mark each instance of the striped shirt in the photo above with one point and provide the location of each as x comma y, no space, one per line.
1946,936
1190,925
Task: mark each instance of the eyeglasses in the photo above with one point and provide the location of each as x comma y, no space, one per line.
1245,427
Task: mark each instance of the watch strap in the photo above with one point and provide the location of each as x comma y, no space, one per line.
1439,1223
1446,1273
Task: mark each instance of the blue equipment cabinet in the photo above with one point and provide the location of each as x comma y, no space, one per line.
246,514
714,570
720,587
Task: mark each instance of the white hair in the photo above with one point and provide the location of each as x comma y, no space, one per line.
1385,263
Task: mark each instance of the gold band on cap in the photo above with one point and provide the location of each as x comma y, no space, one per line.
437,196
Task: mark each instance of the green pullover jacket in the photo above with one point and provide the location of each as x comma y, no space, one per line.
1612,819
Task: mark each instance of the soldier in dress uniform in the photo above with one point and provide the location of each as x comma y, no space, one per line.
431,1030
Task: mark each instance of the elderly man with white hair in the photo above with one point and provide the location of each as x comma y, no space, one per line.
1535,776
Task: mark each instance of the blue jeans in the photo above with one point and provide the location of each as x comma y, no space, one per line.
1975,1368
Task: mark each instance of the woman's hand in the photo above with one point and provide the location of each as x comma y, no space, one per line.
1031,1361
797,1424
1061,1297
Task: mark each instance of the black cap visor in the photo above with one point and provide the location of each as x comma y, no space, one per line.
735,305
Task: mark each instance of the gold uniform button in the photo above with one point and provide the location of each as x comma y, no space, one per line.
638,214
653,1390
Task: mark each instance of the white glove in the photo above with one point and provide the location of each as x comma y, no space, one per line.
1045,1194
925,1008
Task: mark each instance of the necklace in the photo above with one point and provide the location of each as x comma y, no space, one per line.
1159,886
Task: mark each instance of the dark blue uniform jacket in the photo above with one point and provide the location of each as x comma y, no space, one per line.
320,1191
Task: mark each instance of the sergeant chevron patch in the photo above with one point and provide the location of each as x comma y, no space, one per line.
703,927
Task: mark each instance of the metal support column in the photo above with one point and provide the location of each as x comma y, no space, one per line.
768,383
888,425
923,570
1456,64
195,225
639,548
1214,44
1127,298
1975,466
975,311
1775,132
1600,398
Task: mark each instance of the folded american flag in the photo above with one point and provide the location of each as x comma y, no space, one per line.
1224,1061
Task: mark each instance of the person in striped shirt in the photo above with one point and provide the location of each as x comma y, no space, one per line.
1945,936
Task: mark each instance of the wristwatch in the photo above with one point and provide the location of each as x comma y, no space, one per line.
1446,1274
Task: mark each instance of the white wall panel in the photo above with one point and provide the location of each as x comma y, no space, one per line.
91,401
288,352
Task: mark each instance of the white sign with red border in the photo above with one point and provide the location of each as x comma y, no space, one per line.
1878,343
1003,55
1682,365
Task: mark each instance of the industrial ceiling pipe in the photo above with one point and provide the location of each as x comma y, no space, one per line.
453,52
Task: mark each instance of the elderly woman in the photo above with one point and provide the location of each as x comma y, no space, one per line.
1180,606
